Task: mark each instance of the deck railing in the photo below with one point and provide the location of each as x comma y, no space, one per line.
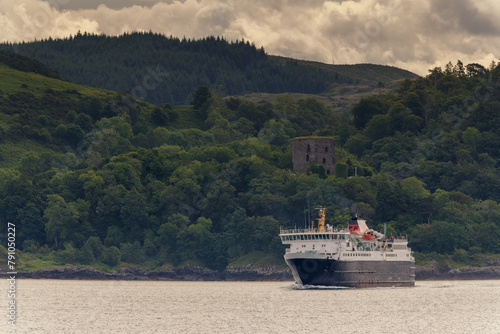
310,230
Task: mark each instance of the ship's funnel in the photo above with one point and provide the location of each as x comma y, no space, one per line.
357,225
362,226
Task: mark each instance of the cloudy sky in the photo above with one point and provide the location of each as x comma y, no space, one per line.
414,35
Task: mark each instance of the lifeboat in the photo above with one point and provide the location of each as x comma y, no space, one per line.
368,235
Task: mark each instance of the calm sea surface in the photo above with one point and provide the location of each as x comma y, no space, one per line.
59,306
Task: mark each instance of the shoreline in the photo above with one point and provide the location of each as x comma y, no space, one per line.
241,273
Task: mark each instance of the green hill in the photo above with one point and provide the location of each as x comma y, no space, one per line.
32,106
161,69
94,177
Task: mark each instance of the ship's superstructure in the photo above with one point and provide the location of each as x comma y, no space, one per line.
352,257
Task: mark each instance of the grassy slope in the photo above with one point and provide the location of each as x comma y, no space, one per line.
366,73
342,97
11,81
14,81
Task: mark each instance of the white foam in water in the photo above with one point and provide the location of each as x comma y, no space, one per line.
296,286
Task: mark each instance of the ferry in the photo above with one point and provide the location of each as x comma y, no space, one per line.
354,257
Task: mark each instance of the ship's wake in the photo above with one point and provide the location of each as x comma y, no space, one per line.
296,286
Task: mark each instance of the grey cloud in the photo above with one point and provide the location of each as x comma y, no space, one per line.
463,15
93,4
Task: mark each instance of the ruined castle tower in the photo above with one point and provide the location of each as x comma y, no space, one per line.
318,149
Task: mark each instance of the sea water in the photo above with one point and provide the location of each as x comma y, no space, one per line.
79,306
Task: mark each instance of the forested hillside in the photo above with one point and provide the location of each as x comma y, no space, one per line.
161,69
95,177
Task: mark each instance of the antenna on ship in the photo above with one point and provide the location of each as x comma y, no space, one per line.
309,211
305,217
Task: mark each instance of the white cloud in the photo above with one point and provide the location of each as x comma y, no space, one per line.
32,19
412,35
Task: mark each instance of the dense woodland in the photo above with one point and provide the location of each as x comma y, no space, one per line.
161,69
91,176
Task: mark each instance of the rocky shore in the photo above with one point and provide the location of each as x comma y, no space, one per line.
241,273
186,273
490,270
